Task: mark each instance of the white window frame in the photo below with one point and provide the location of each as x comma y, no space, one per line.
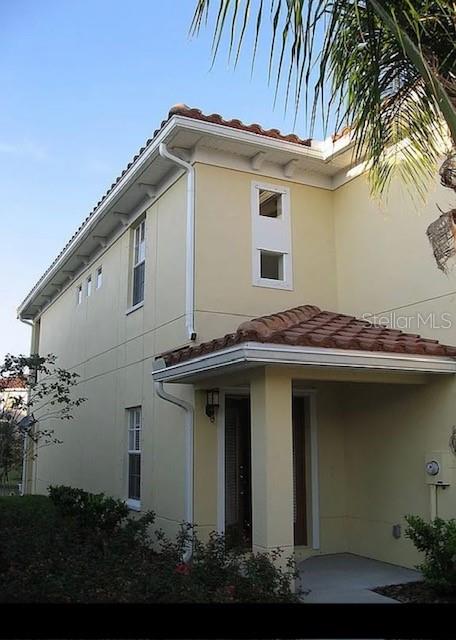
99,277
272,235
134,426
78,295
139,258
89,285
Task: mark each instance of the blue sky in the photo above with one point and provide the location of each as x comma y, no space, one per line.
84,84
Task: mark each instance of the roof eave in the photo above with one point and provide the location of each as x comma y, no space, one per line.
249,354
146,158
126,181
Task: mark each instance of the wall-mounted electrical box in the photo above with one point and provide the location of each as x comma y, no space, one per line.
437,468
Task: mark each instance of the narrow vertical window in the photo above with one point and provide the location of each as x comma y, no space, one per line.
79,294
99,279
271,236
139,258
89,286
134,457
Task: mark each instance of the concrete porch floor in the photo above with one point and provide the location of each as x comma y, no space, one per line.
344,577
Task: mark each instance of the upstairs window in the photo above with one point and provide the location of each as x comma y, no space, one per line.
271,236
271,265
270,203
139,262
79,294
89,286
134,456
99,280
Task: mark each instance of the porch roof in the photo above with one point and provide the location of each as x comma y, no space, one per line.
308,335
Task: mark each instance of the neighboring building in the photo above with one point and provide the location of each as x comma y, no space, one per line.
13,396
324,423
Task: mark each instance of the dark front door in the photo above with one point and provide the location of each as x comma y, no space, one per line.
299,470
238,483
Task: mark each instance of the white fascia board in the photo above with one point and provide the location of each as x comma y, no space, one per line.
326,151
252,353
331,150
255,139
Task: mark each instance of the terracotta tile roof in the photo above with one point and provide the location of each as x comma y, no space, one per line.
345,131
12,383
187,112
216,118
310,326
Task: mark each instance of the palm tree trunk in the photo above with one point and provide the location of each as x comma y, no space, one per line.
442,232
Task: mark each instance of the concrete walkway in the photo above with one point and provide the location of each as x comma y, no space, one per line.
344,577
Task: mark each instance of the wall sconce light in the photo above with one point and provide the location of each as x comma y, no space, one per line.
212,403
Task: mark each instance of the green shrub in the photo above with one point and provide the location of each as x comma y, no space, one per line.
217,573
437,540
50,553
89,509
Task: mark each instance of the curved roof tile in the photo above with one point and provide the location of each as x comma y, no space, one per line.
309,326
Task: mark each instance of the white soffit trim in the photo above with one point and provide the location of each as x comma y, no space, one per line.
253,353
323,152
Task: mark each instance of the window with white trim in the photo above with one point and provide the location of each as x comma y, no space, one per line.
271,265
89,286
134,416
271,236
139,263
79,294
99,278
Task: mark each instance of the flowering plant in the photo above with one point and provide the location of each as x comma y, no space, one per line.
183,568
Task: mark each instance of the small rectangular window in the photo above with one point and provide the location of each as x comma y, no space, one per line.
99,280
89,286
271,265
134,455
270,203
139,259
79,294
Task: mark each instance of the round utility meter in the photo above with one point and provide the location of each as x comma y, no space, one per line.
432,467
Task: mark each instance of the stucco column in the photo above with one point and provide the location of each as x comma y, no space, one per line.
204,469
272,462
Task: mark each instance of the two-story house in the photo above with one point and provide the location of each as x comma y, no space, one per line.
214,303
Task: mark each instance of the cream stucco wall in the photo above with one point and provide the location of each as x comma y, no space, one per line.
385,261
350,254
113,352
388,432
224,293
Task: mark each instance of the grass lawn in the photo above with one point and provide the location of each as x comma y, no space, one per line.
49,555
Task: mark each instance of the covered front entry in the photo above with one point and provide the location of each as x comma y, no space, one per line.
238,480
342,415
327,462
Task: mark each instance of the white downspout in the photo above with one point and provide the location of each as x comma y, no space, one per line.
190,240
24,454
189,420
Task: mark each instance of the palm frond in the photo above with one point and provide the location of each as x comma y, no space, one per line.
389,65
